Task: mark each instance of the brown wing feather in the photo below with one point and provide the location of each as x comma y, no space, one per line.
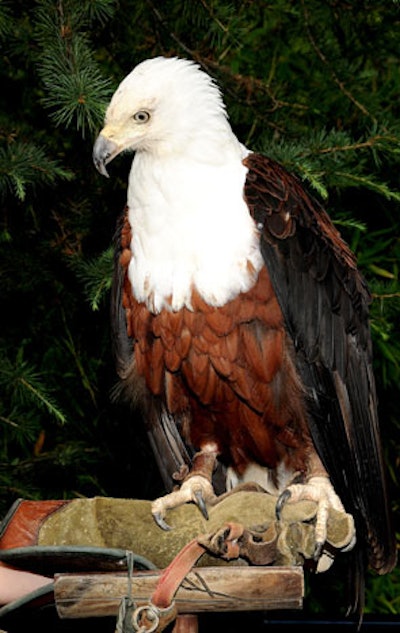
129,331
325,301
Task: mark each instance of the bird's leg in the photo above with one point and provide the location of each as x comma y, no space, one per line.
316,487
196,487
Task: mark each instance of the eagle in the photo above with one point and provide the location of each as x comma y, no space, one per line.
239,316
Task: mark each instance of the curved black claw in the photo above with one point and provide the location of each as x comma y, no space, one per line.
159,519
201,504
282,499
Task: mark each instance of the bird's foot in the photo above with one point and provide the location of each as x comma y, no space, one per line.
196,488
320,490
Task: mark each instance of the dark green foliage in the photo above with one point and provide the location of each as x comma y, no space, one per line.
313,84
74,89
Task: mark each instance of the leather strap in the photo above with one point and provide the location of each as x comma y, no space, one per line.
162,609
231,541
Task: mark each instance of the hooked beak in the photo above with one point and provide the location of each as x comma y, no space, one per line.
104,150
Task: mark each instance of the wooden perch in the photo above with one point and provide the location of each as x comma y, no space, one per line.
265,573
204,589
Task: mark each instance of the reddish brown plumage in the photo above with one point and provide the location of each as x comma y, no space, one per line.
229,368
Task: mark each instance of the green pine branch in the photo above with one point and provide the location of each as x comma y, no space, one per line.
76,93
96,276
26,388
25,165
333,159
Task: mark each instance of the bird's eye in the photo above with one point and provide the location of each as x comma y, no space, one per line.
141,116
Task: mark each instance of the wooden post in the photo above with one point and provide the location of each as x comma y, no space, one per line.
229,588
186,623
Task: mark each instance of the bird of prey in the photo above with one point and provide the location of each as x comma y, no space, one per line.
240,319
